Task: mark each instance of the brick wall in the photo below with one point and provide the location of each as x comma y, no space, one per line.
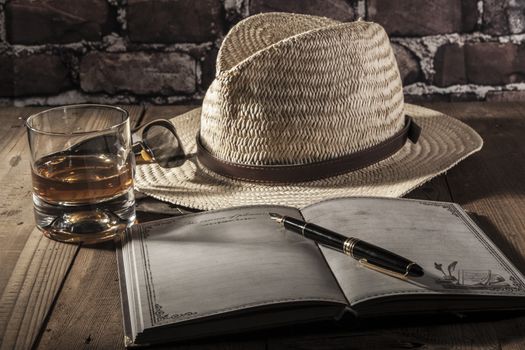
163,51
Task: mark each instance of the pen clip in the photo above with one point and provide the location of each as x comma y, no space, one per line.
365,263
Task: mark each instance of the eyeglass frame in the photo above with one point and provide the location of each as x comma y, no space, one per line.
143,152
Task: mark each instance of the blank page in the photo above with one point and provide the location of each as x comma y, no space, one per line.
455,254
218,262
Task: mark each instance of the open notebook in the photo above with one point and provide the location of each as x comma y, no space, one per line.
234,270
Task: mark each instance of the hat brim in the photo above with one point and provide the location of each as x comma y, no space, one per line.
444,141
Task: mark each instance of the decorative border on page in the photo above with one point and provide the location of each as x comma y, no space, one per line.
516,286
157,314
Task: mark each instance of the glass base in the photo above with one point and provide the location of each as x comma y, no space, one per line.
87,224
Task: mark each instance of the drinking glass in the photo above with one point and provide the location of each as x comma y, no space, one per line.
82,166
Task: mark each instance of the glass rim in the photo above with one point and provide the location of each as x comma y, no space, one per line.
83,105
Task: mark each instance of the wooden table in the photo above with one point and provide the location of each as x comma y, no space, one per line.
60,296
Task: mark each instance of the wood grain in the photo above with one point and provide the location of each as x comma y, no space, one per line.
15,215
89,303
434,190
33,268
36,278
89,307
489,183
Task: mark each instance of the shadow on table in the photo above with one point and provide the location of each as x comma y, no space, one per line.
497,169
501,241
411,332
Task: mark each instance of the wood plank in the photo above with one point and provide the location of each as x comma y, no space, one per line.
30,269
468,182
89,303
35,280
490,183
374,340
110,336
15,191
469,336
89,307
434,190
33,267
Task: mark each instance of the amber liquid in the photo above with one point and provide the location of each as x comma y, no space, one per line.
81,179
83,198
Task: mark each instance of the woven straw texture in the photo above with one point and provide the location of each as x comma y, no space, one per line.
294,89
323,93
259,32
444,141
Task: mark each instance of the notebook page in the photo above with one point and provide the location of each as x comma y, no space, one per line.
456,256
211,263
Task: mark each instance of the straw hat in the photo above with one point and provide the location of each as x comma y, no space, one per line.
305,108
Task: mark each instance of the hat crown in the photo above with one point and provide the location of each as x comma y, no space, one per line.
303,89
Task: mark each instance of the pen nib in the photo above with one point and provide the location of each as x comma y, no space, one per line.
277,217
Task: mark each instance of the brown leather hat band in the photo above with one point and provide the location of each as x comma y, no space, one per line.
311,171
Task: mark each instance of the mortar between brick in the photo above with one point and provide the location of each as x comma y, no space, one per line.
480,13
107,45
425,47
480,91
75,96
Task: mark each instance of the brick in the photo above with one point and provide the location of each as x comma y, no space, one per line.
33,75
40,75
417,99
208,68
6,76
449,64
495,63
506,96
464,97
57,21
235,11
138,72
469,15
336,9
408,65
423,17
501,17
171,21
486,63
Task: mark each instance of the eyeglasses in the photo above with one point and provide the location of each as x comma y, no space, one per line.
157,143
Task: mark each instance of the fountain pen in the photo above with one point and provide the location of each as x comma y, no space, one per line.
367,254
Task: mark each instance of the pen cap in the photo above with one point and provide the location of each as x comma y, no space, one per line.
384,258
